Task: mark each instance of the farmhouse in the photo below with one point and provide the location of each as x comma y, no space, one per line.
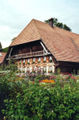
44,47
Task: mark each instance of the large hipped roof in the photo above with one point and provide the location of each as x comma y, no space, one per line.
62,44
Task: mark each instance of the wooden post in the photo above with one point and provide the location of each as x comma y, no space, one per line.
10,52
44,47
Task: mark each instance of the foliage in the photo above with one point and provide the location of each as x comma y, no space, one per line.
28,101
59,24
20,99
11,67
13,38
0,46
5,49
4,90
7,86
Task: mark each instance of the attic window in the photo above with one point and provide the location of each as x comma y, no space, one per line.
0,54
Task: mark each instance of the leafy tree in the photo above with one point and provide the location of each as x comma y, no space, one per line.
66,27
5,49
59,24
0,46
13,38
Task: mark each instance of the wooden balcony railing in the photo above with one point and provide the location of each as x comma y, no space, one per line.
30,54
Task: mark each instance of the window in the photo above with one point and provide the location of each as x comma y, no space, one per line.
24,61
34,59
39,68
20,61
39,59
44,59
50,68
28,61
50,58
35,68
44,68
28,69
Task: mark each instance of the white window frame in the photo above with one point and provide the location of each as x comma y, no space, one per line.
24,61
44,68
39,59
44,59
50,58
50,70
34,59
28,60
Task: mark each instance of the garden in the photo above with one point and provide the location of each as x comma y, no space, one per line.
38,97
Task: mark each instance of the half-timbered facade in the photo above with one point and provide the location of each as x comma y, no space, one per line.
33,56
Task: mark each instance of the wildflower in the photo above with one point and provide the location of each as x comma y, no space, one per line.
48,81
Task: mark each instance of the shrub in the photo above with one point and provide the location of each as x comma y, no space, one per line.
8,89
37,102
5,88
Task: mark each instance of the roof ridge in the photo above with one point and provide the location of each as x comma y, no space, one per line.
71,32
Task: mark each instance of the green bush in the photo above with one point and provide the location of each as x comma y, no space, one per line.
4,90
36,102
8,89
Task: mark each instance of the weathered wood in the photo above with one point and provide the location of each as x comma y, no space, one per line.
30,54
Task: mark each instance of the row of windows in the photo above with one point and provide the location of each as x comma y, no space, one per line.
39,60
41,69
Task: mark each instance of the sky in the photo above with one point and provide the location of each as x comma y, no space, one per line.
16,14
